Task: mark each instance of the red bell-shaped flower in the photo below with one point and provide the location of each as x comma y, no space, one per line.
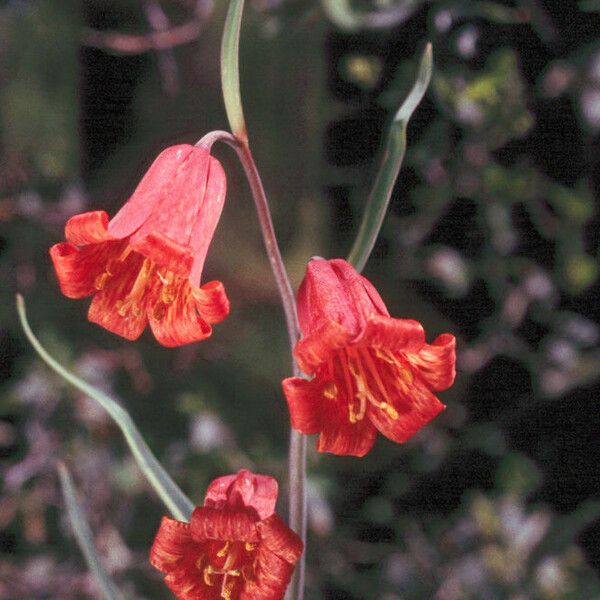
144,265
234,548
371,371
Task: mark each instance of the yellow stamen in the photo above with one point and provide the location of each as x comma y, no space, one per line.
208,571
101,280
132,302
223,551
250,547
330,390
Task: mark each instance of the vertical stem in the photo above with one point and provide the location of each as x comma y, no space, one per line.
297,507
230,82
297,449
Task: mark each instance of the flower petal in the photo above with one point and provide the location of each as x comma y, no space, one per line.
165,252
332,289
182,196
415,405
272,575
77,268
104,307
156,184
304,402
312,351
436,362
212,300
87,228
405,335
243,490
172,545
181,321
220,524
208,217
338,434
280,539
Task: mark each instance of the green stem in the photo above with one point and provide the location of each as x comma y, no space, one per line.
230,80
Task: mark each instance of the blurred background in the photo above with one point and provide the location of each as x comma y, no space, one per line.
492,235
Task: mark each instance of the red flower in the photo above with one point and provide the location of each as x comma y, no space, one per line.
145,264
371,371
234,548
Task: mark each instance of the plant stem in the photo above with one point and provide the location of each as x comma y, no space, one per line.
297,449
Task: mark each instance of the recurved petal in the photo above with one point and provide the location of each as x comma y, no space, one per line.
242,491
180,321
280,539
220,524
87,228
304,402
272,575
313,350
415,405
172,545
436,362
77,268
212,301
404,335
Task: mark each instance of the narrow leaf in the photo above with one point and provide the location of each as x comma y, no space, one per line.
230,70
174,499
83,534
392,157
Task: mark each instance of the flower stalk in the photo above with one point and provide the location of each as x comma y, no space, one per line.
233,105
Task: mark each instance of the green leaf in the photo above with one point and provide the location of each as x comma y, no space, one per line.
174,499
83,534
230,70
392,157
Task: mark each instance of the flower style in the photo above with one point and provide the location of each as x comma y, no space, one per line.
234,548
144,266
371,371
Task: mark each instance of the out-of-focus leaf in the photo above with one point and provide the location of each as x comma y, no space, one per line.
230,69
175,500
83,534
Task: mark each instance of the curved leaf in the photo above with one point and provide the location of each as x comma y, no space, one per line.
175,500
392,158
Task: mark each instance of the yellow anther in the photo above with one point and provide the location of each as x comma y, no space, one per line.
208,571
390,410
406,374
386,356
223,551
199,562
330,390
249,547
101,280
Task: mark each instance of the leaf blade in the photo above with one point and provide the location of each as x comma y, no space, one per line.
83,535
175,500
392,157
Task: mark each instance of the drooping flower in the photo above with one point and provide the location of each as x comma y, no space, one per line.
144,265
234,548
371,371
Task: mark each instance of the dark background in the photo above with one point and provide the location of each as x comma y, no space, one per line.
492,235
